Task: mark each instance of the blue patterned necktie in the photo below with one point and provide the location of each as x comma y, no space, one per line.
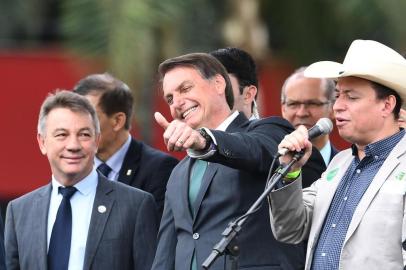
104,169
59,244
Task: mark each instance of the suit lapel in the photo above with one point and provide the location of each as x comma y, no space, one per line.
327,192
104,197
211,170
383,174
41,226
130,163
206,181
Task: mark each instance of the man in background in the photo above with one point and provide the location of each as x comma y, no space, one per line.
223,174
80,220
304,101
120,157
241,68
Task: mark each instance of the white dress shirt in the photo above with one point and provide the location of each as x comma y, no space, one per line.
82,204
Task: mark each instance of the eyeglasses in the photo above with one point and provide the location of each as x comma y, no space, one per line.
312,104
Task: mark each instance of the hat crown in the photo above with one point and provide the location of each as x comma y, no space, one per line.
367,52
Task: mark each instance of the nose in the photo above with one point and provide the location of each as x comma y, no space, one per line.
339,104
302,111
73,144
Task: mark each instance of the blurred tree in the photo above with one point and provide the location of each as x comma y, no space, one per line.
134,36
306,31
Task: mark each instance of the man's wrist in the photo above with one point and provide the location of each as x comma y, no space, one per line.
206,137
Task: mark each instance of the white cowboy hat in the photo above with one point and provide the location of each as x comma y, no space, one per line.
369,60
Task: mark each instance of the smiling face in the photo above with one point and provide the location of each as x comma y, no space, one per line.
361,118
197,101
70,143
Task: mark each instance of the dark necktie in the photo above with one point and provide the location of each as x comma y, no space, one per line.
104,169
59,244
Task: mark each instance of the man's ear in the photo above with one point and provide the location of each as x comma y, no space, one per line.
41,144
220,83
249,94
389,105
118,120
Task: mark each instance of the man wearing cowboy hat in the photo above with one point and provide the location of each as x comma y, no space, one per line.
354,216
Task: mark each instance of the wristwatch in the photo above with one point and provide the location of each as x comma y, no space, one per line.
207,137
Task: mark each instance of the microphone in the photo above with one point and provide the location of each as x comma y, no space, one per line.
322,127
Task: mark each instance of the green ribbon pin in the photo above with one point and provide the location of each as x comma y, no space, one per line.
331,174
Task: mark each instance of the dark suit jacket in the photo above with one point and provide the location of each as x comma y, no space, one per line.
147,169
233,180
124,237
2,254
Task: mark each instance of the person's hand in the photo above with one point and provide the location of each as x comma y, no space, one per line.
296,141
178,136
402,118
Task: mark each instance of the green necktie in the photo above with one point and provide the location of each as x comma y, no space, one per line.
196,176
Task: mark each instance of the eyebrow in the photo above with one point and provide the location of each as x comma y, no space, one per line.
179,87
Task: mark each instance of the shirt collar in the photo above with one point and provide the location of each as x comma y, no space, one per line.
381,148
326,152
84,186
224,125
116,160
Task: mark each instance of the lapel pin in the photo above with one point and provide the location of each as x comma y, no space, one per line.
129,172
102,209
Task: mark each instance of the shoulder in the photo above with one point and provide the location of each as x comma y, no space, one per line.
148,152
276,121
123,191
41,191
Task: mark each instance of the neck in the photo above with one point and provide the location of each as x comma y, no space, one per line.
105,153
320,142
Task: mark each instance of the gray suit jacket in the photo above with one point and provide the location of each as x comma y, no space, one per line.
124,237
378,226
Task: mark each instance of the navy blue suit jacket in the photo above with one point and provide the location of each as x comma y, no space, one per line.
233,180
148,169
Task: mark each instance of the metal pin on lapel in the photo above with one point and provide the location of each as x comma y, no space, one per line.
102,209
129,172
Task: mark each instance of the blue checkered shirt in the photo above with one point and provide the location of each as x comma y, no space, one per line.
348,194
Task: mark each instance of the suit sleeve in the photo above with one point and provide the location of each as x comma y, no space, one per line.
146,227
11,246
250,150
165,254
291,211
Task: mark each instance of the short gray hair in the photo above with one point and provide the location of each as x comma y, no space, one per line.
69,100
327,84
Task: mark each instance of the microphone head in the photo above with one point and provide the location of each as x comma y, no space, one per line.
325,125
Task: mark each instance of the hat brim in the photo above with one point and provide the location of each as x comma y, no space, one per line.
334,70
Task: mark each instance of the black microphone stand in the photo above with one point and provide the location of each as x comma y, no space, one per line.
228,244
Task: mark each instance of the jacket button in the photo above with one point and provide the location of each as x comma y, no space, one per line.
196,236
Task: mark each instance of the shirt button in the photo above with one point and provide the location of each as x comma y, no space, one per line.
358,170
376,157
196,236
345,198
333,225
323,254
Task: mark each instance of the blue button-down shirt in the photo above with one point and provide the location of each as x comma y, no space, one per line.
349,192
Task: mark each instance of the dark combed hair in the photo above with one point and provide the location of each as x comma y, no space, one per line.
207,65
239,63
115,95
383,92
